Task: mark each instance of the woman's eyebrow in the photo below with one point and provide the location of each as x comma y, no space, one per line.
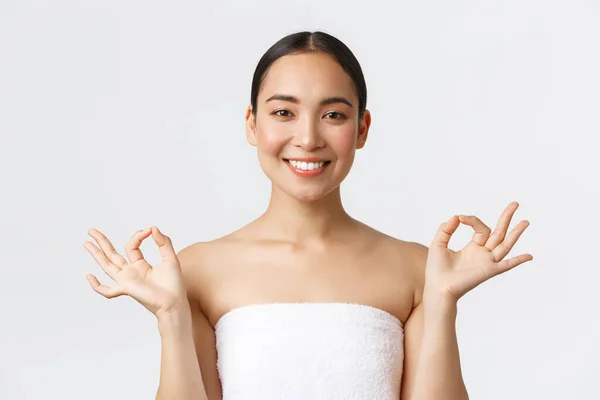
324,102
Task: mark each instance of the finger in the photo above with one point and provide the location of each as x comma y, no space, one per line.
164,243
107,291
107,266
509,264
482,231
132,249
506,246
444,232
502,226
107,248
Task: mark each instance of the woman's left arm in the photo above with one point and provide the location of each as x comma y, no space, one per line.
432,364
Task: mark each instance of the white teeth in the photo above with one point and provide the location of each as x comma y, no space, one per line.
306,166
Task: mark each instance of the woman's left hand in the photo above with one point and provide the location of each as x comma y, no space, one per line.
455,273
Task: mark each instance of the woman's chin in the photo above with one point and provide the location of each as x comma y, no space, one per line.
308,195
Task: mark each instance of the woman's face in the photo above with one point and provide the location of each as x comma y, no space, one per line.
306,128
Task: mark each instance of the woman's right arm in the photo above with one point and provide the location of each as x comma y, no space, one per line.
189,356
188,367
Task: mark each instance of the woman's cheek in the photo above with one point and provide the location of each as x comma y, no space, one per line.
269,139
345,140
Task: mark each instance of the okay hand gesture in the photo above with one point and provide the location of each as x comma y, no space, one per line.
160,288
454,273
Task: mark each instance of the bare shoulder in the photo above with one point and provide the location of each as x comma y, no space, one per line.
406,258
200,254
191,262
413,252
416,254
200,261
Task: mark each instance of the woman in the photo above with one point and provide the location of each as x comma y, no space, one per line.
306,302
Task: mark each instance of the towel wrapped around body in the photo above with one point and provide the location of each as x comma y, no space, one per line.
279,351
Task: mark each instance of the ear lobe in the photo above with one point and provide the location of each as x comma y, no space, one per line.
363,130
250,127
362,138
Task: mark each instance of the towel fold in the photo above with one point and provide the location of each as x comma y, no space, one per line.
309,351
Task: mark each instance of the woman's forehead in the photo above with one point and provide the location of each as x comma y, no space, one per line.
313,74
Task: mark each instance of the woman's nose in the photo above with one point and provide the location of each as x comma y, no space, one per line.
309,137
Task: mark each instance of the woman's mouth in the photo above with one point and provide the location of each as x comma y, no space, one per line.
306,168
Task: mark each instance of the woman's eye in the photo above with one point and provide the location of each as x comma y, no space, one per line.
338,115
279,113
332,114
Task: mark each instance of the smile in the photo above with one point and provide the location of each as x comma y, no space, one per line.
307,168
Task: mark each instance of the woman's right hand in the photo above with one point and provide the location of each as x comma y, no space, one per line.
160,289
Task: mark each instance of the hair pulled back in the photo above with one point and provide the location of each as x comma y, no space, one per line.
311,42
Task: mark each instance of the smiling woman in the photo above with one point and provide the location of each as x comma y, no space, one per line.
306,302
308,105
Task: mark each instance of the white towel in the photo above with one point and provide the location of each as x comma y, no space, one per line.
309,351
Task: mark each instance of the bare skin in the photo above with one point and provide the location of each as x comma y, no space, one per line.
356,264
306,248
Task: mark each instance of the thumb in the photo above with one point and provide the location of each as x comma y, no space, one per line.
444,232
165,245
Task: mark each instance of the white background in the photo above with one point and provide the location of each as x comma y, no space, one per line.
120,115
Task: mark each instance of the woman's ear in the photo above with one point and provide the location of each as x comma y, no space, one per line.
363,129
250,126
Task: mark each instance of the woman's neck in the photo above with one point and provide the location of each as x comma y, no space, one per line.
305,221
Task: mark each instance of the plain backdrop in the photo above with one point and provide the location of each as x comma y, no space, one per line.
120,115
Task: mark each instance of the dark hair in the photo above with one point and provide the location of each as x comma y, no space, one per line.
311,42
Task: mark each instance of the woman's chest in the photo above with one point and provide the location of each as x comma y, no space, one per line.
378,279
